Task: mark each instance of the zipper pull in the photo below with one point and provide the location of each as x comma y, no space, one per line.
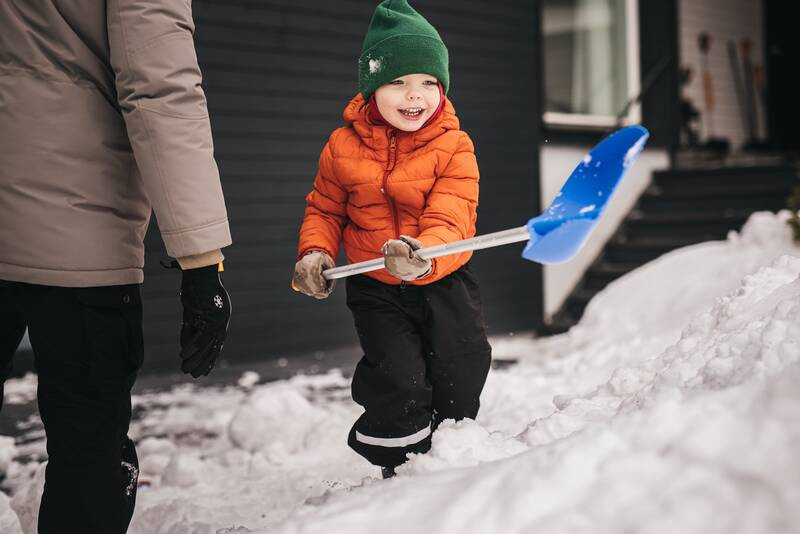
392,150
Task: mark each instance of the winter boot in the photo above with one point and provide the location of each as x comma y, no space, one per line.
387,472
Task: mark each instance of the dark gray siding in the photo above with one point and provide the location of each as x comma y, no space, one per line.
658,36
278,75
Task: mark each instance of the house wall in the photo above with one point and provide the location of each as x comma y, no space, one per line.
782,50
278,75
723,20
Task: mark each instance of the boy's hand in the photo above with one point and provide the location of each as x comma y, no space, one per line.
402,260
308,277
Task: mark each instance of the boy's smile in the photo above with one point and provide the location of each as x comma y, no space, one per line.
412,114
408,101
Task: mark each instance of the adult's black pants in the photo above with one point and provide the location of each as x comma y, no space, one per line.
88,348
425,360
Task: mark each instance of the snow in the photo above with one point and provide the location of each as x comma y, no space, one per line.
9,522
20,391
249,379
375,65
672,407
7,452
633,152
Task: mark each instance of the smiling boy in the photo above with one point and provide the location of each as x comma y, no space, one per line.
401,176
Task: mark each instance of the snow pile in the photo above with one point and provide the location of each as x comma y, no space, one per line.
673,407
702,438
277,421
20,391
248,454
660,297
7,452
463,444
9,522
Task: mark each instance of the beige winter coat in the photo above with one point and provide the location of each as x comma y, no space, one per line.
101,117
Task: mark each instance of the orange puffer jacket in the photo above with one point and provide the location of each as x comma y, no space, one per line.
375,183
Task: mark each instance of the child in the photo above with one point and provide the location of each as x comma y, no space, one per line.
401,176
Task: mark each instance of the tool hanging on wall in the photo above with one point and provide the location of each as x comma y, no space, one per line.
738,83
716,144
749,90
760,81
755,97
690,115
704,42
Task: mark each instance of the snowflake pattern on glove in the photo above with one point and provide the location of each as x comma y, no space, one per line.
133,477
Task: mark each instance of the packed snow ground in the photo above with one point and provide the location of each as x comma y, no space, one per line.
673,407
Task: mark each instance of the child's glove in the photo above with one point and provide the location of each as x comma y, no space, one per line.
206,314
308,277
402,261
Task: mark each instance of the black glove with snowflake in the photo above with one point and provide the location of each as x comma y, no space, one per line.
206,315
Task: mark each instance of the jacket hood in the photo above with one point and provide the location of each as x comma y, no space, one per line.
376,136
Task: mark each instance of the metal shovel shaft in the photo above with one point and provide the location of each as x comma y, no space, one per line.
495,239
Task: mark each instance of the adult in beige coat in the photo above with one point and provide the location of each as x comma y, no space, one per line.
102,120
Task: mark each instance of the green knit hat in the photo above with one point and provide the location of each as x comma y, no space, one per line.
400,41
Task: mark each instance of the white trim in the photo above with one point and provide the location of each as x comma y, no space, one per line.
579,119
634,54
394,442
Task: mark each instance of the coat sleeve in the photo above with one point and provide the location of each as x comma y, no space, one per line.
451,209
158,88
326,210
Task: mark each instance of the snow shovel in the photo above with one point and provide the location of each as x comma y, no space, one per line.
558,234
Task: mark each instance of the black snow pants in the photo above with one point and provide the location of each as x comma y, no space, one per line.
425,360
88,348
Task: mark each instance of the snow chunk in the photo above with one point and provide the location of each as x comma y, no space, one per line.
462,444
25,502
7,452
375,65
633,152
276,419
183,470
249,379
9,522
21,390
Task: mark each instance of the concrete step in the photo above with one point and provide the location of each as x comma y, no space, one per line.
641,251
726,189
697,225
777,174
651,202
602,274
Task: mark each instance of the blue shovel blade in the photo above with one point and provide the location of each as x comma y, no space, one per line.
559,233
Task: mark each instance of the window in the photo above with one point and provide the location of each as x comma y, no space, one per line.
591,62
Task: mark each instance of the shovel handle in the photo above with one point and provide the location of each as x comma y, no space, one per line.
496,239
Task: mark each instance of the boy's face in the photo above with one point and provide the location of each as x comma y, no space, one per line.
409,101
